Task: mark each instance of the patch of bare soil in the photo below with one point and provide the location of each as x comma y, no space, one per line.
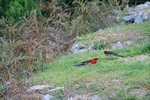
82,97
113,36
139,92
137,57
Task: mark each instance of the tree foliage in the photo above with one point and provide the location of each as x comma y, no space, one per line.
16,8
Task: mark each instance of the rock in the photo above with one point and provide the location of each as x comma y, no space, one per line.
142,6
147,2
57,88
100,31
128,43
38,87
76,47
117,45
145,16
70,98
96,97
48,97
82,50
138,19
130,18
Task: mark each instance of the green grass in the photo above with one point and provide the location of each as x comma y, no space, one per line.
132,73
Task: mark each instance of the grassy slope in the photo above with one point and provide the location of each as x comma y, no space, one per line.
108,77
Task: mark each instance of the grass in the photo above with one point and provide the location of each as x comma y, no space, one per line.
109,77
64,73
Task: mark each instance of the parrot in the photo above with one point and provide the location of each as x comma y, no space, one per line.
109,53
88,62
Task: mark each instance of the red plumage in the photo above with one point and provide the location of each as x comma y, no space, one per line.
109,53
88,62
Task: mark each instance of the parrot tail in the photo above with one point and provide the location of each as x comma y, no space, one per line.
120,55
79,64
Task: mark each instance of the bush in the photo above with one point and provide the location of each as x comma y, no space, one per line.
17,8
98,45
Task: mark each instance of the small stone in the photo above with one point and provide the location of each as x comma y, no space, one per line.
96,97
38,87
48,97
100,30
128,43
117,45
70,98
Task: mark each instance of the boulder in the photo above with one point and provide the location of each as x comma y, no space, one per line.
141,6
117,45
147,2
145,16
48,97
70,98
138,18
77,47
130,18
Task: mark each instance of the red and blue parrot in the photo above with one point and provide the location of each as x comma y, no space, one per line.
109,53
88,62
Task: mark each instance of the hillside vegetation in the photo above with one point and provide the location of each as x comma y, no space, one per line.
36,37
111,77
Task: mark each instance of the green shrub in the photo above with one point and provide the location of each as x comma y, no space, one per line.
17,8
98,45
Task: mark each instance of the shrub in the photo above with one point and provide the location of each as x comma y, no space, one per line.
98,45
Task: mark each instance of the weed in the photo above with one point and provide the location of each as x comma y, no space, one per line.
98,45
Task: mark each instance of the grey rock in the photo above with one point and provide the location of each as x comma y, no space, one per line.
77,47
142,6
130,18
56,89
38,87
96,97
128,43
117,45
100,31
77,51
147,2
70,98
48,97
145,16
138,19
